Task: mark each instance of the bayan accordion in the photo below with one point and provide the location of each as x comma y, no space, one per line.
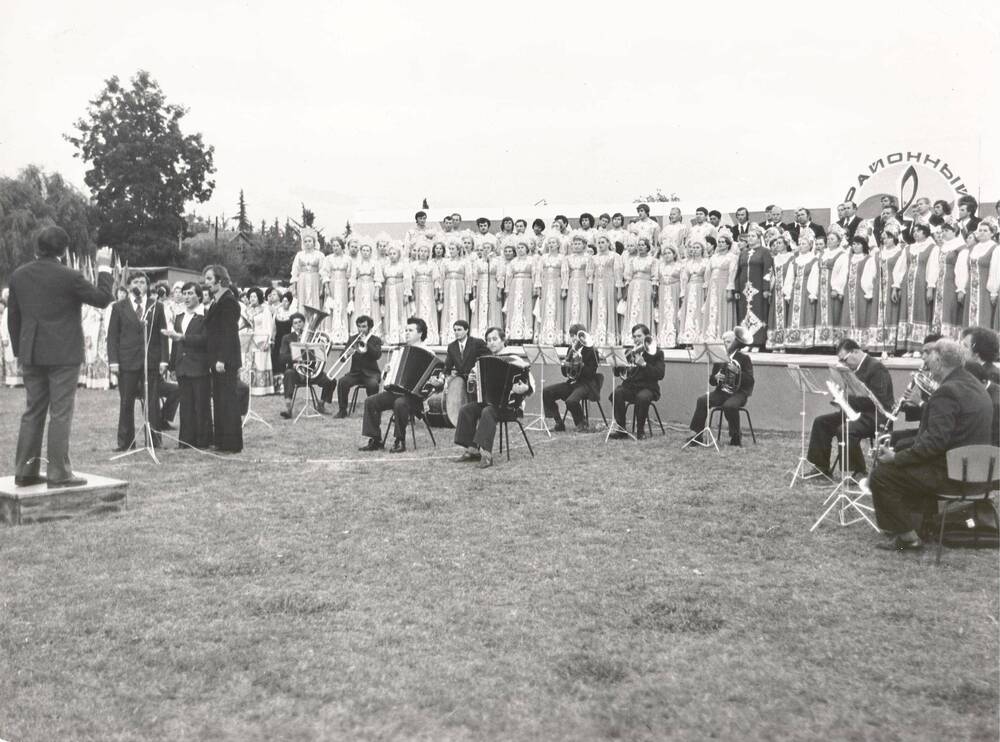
495,375
408,370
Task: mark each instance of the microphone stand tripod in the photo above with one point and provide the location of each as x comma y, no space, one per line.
146,429
805,382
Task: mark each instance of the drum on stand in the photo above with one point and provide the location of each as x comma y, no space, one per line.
441,409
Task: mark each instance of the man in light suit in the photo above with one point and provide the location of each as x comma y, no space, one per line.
137,352
46,333
189,361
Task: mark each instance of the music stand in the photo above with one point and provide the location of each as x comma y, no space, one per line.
841,494
145,428
712,353
806,383
615,358
543,355
303,352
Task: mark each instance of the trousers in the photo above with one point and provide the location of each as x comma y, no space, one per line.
573,394
730,405
477,424
50,391
827,427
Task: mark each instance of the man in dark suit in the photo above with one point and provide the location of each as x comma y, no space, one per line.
292,379
742,225
222,343
803,220
773,219
825,428
729,401
848,219
580,370
364,366
135,343
641,386
46,334
462,352
958,413
189,362
967,219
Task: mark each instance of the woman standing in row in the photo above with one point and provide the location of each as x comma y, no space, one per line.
551,288
668,290
801,291
605,292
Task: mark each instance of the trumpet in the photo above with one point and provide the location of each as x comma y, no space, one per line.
647,346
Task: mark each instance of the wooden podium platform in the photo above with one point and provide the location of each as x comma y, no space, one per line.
39,504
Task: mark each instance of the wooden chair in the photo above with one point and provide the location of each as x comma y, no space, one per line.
975,467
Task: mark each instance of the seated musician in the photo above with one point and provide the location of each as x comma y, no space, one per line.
580,370
477,423
732,389
984,348
641,386
958,413
461,355
826,428
911,405
400,403
364,366
292,378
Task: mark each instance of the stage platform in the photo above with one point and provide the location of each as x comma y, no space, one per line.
774,405
39,504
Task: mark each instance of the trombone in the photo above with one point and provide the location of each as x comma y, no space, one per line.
358,345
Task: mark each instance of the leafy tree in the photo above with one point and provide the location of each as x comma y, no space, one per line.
143,168
34,200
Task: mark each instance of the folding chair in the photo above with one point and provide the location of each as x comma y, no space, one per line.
973,466
505,433
413,429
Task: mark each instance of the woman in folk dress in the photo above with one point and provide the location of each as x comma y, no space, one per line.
984,278
519,285
781,252
720,294
578,276
917,286
456,283
605,292
952,260
551,284
426,282
667,291
801,291
262,321
397,293
337,278
832,265
692,314
639,277
859,294
365,285
306,265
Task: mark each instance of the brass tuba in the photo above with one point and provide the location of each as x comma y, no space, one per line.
310,364
573,364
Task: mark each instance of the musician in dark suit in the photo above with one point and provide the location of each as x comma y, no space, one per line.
292,378
848,219
222,343
825,428
957,414
137,352
189,362
641,386
580,369
803,220
463,351
724,376
364,366
401,404
477,422
46,334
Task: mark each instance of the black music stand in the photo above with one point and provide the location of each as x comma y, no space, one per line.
806,383
615,358
303,351
543,355
712,353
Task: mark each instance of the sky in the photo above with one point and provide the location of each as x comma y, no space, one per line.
375,105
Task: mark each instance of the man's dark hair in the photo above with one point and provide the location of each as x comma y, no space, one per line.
297,315
562,218
985,343
221,274
970,204
715,212
808,213
419,324
51,242
848,344
925,228
498,330
932,337
196,287
538,223
137,274
420,214
769,207
461,323
364,318
484,220
643,207
645,330
945,206
700,210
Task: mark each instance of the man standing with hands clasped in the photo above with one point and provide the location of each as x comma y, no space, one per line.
46,333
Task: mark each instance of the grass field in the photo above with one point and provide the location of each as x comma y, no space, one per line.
626,590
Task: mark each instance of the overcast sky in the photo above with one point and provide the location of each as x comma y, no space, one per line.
375,105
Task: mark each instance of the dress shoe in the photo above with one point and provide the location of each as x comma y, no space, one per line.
321,408
28,481
373,444
618,436
738,442
559,427
898,544
486,461
287,414
640,436
71,482
341,414
467,456
583,428
398,446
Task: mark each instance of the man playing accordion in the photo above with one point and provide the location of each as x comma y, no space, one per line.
477,421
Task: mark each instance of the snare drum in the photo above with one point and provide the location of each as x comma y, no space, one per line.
442,408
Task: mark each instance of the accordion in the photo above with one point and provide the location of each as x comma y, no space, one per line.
408,370
495,377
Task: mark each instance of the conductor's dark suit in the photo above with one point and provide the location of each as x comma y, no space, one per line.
825,428
364,371
127,342
189,362
959,413
222,344
46,333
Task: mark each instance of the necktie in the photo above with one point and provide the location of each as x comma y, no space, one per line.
138,308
